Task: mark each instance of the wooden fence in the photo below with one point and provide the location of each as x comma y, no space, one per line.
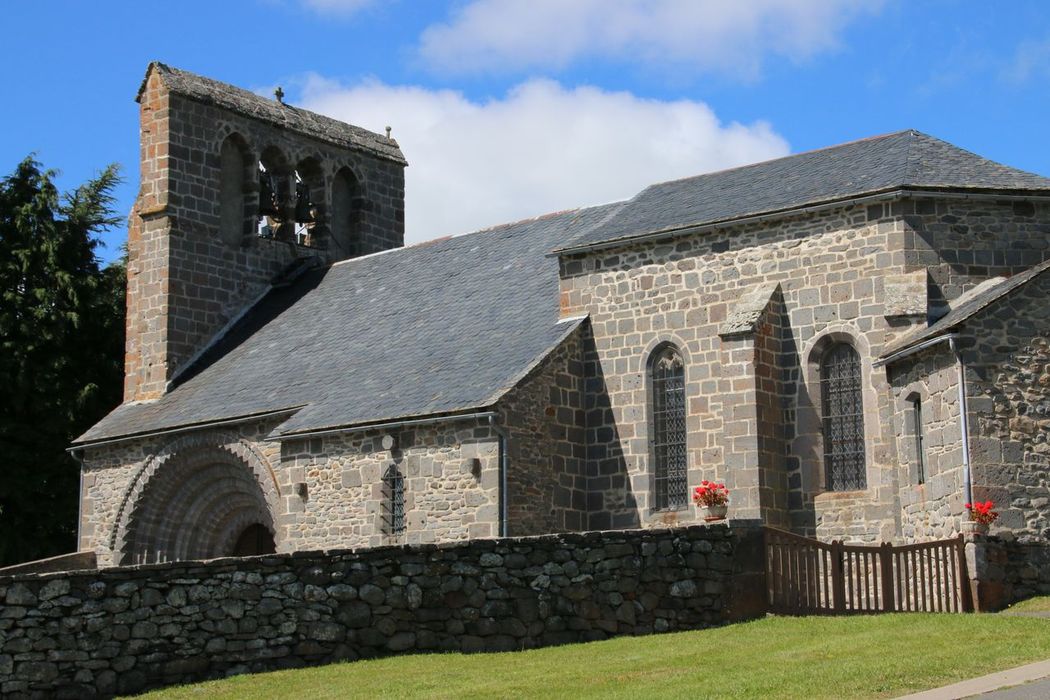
809,577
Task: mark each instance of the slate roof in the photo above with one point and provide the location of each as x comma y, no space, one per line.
903,160
286,116
966,307
441,327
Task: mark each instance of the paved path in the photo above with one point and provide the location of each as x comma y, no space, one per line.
1037,690
1039,672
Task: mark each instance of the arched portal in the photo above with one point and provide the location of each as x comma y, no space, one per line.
201,502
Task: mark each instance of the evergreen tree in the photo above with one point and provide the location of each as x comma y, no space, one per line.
61,350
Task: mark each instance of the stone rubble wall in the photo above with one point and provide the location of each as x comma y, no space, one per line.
1006,348
1008,381
124,630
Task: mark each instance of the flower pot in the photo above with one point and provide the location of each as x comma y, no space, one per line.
711,513
972,527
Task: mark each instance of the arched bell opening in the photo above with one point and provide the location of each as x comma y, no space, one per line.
199,506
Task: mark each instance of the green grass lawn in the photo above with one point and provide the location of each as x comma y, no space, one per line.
776,657
1038,604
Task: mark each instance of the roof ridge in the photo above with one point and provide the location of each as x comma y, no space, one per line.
206,90
758,163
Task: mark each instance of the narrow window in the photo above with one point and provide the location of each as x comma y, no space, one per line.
394,500
920,440
667,380
843,419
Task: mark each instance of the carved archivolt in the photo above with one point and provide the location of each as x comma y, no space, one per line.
188,500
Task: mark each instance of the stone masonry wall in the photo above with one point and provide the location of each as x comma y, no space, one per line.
324,492
113,477
451,486
186,276
961,243
544,422
1008,381
1006,348
129,629
830,268
847,274
932,510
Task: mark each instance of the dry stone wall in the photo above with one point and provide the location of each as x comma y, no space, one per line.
125,630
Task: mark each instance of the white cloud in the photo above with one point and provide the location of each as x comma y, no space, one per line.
1031,60
540,148
726,35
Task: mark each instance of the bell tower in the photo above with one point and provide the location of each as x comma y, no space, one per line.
237,189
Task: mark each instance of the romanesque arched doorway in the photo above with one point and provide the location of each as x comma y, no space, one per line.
199,502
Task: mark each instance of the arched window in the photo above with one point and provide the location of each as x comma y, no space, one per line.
843,418
667,386
232,177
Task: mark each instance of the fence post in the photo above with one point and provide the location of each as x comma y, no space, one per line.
886,574
965,591
838,580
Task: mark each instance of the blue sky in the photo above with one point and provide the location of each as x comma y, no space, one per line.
511,108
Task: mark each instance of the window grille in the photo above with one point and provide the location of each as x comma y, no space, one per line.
843,419
920,441
394,501
669,432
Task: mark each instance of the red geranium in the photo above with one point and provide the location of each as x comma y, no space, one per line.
982,512
709,493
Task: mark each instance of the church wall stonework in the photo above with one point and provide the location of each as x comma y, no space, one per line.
1009,369
329,490
451,486
932,510
1006,349
111,473
544,421
838,270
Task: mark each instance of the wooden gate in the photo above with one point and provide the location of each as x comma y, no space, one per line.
807,577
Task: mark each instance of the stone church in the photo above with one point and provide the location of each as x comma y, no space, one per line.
855,339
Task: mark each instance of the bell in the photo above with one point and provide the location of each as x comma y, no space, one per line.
269,202
305,211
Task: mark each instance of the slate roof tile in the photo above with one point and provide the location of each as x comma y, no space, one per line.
906,159
441,327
